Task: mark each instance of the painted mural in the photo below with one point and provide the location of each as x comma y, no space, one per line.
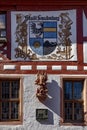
46,35
85,35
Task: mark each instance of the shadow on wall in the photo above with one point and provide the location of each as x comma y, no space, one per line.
53,99
52,102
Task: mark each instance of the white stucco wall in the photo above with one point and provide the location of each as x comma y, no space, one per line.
31,103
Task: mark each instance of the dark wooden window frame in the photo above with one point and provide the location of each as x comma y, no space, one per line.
20,100
73,78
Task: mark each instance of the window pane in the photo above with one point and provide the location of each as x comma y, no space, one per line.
14,89
14,110
68,111
78,111
78,87
5,89
3,33
2,21
68,90
5,110
9,100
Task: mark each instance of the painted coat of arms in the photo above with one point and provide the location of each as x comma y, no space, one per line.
44,36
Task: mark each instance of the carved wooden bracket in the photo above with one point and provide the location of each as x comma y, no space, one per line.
42,89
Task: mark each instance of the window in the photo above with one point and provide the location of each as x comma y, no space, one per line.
73,101
2,27
73,97
10,100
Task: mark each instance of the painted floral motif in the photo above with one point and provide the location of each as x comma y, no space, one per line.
47,39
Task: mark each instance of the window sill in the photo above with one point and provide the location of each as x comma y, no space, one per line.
73,124
11,123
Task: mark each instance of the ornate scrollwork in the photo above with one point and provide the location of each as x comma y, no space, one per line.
22,50
42,89
62,47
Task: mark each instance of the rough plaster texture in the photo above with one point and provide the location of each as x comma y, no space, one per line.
31,103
